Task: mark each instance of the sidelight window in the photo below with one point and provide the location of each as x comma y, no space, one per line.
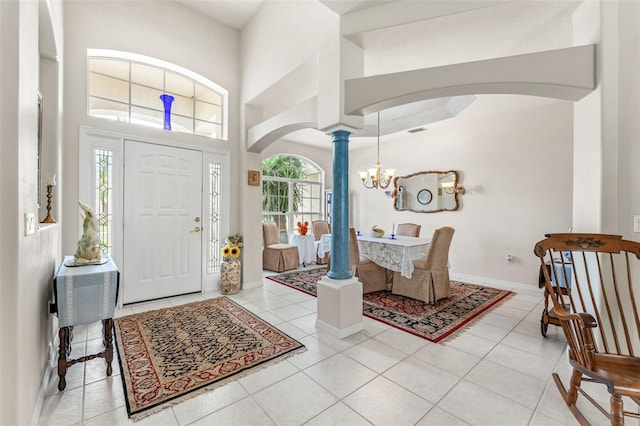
104,197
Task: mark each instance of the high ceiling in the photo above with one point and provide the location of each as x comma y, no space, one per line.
490,32
236,13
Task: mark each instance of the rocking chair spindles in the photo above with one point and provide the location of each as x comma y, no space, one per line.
590,278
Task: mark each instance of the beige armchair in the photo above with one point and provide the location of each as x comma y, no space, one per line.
320,227
409,229
430,279
277,256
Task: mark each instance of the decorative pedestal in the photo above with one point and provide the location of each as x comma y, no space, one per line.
340,306
230,277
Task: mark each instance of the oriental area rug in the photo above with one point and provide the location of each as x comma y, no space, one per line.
431,322
172,354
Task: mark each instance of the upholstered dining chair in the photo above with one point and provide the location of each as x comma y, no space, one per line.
277,256
320,227
409,229
372,276
430,279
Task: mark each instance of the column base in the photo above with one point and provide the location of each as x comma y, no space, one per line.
340,306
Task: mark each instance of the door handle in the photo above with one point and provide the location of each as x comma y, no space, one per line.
197,219
196,229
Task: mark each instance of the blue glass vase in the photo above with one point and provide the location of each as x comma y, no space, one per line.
167,100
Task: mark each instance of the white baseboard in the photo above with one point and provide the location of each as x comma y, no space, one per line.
503,284
340,333
252,284
44,384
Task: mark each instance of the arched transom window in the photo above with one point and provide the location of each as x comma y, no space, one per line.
127,87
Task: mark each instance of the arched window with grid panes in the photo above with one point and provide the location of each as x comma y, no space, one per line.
127,87
292,192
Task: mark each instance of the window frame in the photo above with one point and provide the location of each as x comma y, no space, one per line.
292,217
165,67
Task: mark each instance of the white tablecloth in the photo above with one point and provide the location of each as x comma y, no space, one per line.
306,247
560,275
85,294
397,255
324,244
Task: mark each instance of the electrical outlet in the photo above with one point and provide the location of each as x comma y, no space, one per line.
636,223
29,223
509,259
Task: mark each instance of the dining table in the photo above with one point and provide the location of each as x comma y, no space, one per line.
306,247
396,254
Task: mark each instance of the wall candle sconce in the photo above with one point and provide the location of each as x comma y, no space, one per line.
459,189
50,182
450,189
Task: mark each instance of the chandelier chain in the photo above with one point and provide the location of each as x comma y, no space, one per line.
373,178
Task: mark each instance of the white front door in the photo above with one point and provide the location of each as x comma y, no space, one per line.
162,221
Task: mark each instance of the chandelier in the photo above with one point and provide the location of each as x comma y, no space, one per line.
373,178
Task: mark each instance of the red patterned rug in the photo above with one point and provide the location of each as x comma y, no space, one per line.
432,322
169,355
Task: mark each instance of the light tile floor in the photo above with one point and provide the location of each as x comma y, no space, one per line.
497,372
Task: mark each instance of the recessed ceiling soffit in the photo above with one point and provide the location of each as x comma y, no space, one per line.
413,115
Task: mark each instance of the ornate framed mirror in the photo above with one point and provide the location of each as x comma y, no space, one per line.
426,192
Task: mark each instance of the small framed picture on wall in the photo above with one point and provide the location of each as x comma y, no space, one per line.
254,178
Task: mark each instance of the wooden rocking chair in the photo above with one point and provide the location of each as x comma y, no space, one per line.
597,306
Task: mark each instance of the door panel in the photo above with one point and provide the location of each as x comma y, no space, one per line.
162,201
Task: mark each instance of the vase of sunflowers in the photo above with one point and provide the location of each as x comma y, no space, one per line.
232,248
231,268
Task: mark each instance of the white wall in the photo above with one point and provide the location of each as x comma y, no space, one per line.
281,36
28,262
587,178
160,29
629,129
535,126
506,29
514,155
607,129
607,178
